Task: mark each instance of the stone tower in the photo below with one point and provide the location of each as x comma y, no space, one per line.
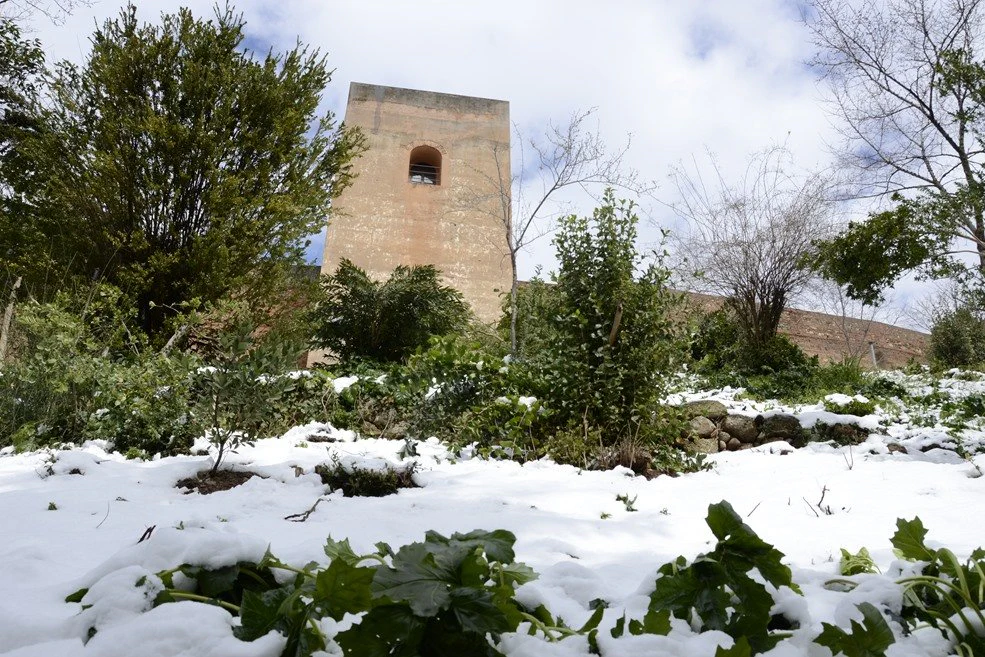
431,189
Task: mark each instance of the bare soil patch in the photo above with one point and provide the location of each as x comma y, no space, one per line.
205,482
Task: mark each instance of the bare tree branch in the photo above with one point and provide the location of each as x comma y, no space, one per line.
749,241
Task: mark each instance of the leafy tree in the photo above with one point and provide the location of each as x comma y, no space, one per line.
909,95
386,321
188,166
21,63
614,336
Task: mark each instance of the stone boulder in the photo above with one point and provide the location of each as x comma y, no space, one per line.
742,427
702,437
781,426
707,408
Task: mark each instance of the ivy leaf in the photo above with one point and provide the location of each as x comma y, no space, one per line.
909,540
594,620
620,627
343,588
655,621
475,611
498,544
418,579
867,639
740,648
259,613
341,550
386,631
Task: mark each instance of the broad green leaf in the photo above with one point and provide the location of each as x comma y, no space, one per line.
386,631
260,613
213,583
341,550
517,573
740,648
343,588
655,621
475,611
77,596
856,564
867,639
418,579
593,620
620,627
909,540
498,544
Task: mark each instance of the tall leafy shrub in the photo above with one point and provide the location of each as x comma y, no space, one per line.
613,342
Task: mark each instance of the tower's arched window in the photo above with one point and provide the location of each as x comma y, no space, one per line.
425,166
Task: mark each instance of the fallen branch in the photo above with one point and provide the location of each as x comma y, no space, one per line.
301,517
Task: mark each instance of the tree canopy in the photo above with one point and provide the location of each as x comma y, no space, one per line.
176,164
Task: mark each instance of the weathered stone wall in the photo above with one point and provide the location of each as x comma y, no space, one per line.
831,338
384,220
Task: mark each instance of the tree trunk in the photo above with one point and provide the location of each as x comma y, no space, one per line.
8,316
514,290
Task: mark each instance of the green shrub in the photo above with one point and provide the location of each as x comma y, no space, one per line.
76,373
365,482
613,340
242,380
388,321
145,406
957,339
855,406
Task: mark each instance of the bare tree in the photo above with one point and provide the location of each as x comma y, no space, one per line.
854,317
55,10
528,202
750,241
905,123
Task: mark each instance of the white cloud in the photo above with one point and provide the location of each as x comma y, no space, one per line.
680,76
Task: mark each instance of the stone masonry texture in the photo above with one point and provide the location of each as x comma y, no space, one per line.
384,219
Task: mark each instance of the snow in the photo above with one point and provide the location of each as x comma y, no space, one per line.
808,502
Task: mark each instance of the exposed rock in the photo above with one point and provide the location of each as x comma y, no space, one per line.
722,445
708,408
843,434
734,444
896,448
702,427
781,427
702,445
742,427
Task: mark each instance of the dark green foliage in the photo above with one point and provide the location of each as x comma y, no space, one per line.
179,165
957,339
852,407
717,587
76,373
386,322
21,63
946,594
365,482
870,638
443,596
538,302
870,256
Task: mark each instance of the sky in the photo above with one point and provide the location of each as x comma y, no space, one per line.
681,78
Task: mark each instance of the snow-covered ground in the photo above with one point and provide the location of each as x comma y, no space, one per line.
61,531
